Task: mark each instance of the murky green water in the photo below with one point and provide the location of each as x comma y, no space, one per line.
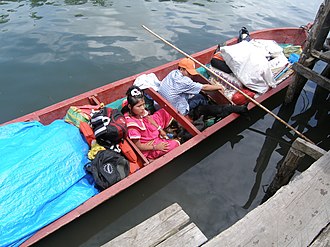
52,50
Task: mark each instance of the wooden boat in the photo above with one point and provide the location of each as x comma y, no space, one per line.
116,90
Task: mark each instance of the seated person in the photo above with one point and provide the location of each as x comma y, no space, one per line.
181,91
145,130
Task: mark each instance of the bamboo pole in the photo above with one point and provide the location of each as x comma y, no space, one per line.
239,90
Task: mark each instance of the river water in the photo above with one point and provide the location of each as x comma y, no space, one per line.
52,50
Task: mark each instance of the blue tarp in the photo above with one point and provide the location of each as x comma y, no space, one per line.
42,176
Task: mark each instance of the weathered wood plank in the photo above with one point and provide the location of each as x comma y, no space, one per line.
189,236
287,169
312,75
307,148
153,230
292,217
324,56
284,173
317,36
323,240
174,113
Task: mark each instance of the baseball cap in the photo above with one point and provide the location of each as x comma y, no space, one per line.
189,65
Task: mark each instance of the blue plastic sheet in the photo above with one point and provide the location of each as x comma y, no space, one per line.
42,177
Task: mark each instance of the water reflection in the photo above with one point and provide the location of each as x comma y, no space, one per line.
274,137
313,123
37,3
4,18
76,2
316,118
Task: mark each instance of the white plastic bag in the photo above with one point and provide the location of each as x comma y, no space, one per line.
270,47
146,81
249,65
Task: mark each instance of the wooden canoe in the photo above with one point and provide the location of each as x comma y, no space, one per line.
117,90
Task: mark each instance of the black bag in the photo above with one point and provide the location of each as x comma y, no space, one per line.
109,126
243,34
108,167
218,62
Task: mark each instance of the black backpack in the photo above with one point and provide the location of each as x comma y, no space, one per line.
107,168
243,34
109,126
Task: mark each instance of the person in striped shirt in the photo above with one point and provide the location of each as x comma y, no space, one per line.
181,91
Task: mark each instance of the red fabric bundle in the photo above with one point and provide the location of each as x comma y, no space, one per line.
240,99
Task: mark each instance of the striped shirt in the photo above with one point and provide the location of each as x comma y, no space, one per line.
177,88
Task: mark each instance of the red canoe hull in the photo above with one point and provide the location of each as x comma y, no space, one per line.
116,90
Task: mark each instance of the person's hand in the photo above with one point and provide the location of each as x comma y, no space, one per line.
162,146
163,134
151,144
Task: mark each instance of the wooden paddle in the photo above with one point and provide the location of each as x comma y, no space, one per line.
239,90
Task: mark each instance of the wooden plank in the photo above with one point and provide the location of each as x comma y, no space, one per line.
307,148
312,75
153,230
285,172
189,236
324,56
316,37
292,217
138,152
287,169
323,240
322,26
174,113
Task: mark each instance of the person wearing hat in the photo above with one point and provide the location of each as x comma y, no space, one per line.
181,91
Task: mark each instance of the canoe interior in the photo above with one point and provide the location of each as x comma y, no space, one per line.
117,90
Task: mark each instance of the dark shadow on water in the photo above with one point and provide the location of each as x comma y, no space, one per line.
319,133
274,137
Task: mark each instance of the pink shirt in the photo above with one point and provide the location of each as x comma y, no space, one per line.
142,129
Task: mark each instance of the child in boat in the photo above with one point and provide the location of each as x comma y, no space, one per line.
181,91
145,130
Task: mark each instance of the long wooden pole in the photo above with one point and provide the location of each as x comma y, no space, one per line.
239,90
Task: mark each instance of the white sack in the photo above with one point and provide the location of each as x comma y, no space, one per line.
249,65
145,81
270,47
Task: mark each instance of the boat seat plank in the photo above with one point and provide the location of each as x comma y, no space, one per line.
174,113
189,236
153,230
138,151
94,100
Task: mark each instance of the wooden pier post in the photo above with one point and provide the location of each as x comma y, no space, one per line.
287,169
312,52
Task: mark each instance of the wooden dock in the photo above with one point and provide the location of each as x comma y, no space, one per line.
297,215
170,227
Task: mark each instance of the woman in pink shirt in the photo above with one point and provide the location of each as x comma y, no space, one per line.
145,130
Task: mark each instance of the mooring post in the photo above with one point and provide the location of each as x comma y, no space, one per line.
285,172
314,44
